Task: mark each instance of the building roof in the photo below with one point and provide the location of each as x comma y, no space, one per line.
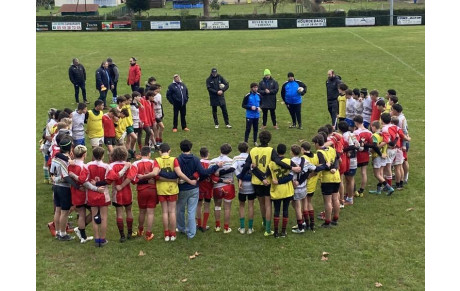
80,8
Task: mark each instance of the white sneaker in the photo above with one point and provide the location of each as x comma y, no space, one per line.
216,126
217,228
229,230
82,240
228,126
173,238
342,206
207,227
250,230
242,230
77,232
298,230
167,238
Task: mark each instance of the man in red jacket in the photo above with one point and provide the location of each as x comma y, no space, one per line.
134,74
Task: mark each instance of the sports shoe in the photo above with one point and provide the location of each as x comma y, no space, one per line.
150,237
324,225
400,187
263,127
312,227
229,230
82,240
390,190
167,238
139,233
186,129
66,237
276,235
52,228
276,127
348,201
300,127
269,233
357,194
295,226
132,235
377,192
297,230
256,144
342,205
122,239
217,228
250,230
292,126
322,215
68,228
228,126
216,126
241,230
77,232
405,182
173,238
86,102
174,129
283,234
101,244
334,223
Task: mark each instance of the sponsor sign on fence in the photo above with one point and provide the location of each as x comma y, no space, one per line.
66,25
42,26
116,25
409,20
262,23
214,25
360,21
91,26
164,25
319,22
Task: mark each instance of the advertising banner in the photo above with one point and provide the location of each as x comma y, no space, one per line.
160,25
319,22
214,25
360,21
43,26
66,25
91,26
262,23
409,20
116,25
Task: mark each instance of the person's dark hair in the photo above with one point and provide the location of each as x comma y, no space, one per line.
185,145
306,146
376,124
323,129
145,151
98,153
121,99
363,91
374,93
343,126
204,152
68,110
323,134
128,96
225,149
141,91
164,147
348,92
281,149
119,153
253,85
395,120
149,93
394,99
391,92
359,119
81,106
155,86
65,144
114,111
330,128
98,102
62,115
380,103
135,94
125,112
319,139
356,91
265,137
243,147
343,86
151,79
290,74
397,107
386,118
295,149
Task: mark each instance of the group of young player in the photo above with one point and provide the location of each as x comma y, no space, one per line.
262,172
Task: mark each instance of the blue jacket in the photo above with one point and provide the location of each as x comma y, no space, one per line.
290,94
102,77
251,99
177,94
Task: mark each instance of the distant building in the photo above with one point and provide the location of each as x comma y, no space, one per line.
79,10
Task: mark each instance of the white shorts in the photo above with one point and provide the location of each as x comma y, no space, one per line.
379,162
97,141
300,194
399,157
391,155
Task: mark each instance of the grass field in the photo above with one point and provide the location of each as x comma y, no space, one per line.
379,239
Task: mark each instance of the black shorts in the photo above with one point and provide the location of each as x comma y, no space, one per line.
242,197
110,141
119,205
364,164
62,197
310,194
158,120
261,190
138,130
84,205
329,188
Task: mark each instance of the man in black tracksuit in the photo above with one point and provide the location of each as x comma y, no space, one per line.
113,74
332,86
103,81
217,85
177,95
77,76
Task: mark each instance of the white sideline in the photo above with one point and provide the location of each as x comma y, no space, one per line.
387,52
53,67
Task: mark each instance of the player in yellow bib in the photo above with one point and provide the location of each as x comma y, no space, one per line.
94,128
260,157
330,180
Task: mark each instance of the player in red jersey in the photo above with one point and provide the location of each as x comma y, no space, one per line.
364,137
205,192
398,163
146,193
120,176
108,122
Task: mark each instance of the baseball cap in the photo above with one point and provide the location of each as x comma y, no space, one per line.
213,70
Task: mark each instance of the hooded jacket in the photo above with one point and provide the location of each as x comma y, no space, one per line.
102,78
213,86
290,94
268,100
77,74
134,74
332,87
177,94
113,73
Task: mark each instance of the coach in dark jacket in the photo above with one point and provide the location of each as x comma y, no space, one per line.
77,76
268,88
177,95
113,74
103,81
217,85
332,87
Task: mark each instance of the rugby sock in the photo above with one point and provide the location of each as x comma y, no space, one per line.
250,223
300,224
264,221
276,221
379,185
285,221
166,232
129,223
305,216
205,219
384,183
406,176
46,173
120,226
97,241
242,223
172,233
388,179
312,216
148,233
198,221
225,226
140,229
82,233
217,223
335,218
268,225
327,222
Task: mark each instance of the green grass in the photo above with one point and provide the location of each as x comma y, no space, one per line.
378,240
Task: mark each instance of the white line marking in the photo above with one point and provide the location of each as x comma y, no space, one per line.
387,52
54,67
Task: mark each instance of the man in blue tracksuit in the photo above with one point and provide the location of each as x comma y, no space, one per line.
103,81
292,92
251,102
